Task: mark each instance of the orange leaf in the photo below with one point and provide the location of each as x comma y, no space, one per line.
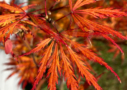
43,66
39,46
101,13
7,30
53,70
91,56
8,18
83,69
92,26
70,4
68,71
81,3
29,6
11,8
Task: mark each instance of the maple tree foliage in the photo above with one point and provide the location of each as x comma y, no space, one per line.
49,40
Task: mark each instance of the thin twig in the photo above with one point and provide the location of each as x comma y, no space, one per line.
33,56
39,86
62,84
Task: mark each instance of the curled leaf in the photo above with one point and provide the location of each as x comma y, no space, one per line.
8,46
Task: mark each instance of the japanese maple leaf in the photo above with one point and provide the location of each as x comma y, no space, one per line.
83,23
11,18
51,55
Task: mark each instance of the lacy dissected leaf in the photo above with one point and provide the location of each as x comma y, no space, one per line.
24,66
53,72
83,69
101,13
92,26
81,3
29,22
7,30
11,8
86,34
110,39
85,85
29,6
91,56
75,33
70,4
68,71
46,19
83,23
43,63
7,18
41,45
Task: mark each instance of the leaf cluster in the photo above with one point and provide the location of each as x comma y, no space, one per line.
48,39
